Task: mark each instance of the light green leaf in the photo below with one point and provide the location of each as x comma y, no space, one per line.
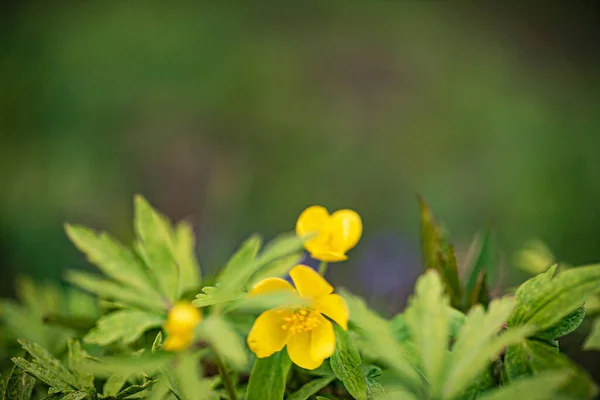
278,268
48,377
310,388
79,395
113,291
189,376
156,247
133,389
19,386
544,300
158,342
534,258
125,326
478,343
593,340
345,363
240,259
113,384
565,326
397,393
266,302
112,258
137,364
185,255
484,264
268,377
76,357
539,387
428,320
47,361
220,334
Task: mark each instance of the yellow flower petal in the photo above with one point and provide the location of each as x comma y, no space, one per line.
271,285
309,283
298,349
266,336
326,255
345,227
322,340
335,307
177,342
314,220
182,319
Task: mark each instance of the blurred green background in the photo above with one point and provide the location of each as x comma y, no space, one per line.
239,115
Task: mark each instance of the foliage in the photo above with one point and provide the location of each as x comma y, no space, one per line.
452,342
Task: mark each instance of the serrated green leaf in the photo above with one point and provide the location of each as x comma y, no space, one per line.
565,326
111,257
478,343
133,389
79,395
310,388
156,247
47,361
428,320
113,384
345,363
189,377
76,356
125,326
483,265
268,377
540,387
112,291
185,255
548,300
220,334
593,340
48,377
19,386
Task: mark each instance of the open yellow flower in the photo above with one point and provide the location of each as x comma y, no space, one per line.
335,234
181,322
309,336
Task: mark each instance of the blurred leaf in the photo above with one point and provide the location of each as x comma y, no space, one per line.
544,300
266,301
402,333
110,290
113,259
125,326
428,319
345,363
478,343
242,257
47,361
539,387
533,357
133,389
268,377
278,268
397,393
113,384
185,255
76,323
189,376
593,340
50,378
140,364
76,358
158,342
592,305
2,387
534,257
565,326
310,388
220,334
19,386
483,265
156,247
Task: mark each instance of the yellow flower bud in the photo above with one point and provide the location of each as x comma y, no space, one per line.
182,319
178,342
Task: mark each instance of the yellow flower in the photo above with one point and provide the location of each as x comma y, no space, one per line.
309,336
181,322
335,234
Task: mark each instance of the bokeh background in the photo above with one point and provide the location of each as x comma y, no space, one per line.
237,116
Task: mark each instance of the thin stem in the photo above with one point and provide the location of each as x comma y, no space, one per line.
229,386
322,268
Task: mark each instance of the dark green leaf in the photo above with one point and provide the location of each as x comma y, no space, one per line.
158,342
345,363
19,386
268,377
480,293
484,264
125,326
79,395
310,388
47,361
565,326
133,389
2,387
78,323
48,377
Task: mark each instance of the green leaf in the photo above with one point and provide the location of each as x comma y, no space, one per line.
114,383
268,377
47,361
188,374
428,320
19,386
113,291
79,395
2,387
534,357
133,389
220,334
547,300
50,378
138,364
242,257
397,393
76,357
345,363
278,268
565,326
534,258
125,326
158,342
185,255
112,258
478,343
539,387
430,237
310,388
593,340
156,247
484,264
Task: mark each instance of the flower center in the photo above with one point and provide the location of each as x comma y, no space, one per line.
301,320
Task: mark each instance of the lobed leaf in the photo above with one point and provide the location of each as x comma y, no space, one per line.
345,363
47,361
268,377
125,326
48,377
19,386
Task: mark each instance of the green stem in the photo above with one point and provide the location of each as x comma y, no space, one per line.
229,386
322,268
